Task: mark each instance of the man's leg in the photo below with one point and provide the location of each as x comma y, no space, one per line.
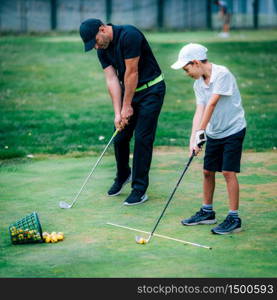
122,152
148,108
143,148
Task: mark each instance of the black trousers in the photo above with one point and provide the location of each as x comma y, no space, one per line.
147,105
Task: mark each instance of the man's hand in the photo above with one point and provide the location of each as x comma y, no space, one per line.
117,122
200,138
126,113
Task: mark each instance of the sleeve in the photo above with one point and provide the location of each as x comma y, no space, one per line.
223,85
199,95
103,58
132,44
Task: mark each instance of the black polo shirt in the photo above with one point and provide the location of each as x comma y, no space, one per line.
129,42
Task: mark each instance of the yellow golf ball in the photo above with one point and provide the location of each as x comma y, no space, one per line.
54,238
47,239
140,240
60,236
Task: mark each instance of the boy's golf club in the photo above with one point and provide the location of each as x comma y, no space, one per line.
64,204
141,240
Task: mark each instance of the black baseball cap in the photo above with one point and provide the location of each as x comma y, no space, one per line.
88,30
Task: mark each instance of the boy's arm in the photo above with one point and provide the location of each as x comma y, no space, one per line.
200,135
209,111
195,125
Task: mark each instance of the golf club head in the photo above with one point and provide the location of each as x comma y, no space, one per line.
141,240
63,204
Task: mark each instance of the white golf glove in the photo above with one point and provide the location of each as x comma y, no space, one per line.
200,138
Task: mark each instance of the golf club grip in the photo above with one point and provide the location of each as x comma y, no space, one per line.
95,165
173,192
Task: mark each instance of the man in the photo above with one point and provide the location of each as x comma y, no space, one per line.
220,114
226,18
136,86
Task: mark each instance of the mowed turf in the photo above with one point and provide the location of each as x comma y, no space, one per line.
53,97
53,102
92,248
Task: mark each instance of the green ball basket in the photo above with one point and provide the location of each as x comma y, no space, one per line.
26,230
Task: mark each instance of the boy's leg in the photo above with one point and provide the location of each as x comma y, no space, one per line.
232,189
231,166
208,186
212,163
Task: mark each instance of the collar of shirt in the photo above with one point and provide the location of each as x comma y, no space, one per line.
203,83
116,31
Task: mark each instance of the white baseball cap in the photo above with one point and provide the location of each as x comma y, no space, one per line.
188,53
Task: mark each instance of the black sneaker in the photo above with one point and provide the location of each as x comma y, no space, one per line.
201,217
118,185
136,197
229,225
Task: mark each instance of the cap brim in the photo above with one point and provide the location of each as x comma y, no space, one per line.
90,45
178,65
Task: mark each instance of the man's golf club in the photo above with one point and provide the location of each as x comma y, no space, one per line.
141,240
64,204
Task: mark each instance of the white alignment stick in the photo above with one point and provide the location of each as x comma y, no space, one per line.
161,236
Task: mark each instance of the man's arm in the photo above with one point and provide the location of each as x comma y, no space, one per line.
114,89
130,84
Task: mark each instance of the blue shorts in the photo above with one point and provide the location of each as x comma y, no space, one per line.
224,154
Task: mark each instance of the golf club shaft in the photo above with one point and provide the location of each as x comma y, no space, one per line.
96,164
171,196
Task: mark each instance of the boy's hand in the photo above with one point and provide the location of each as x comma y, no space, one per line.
200,138
194,148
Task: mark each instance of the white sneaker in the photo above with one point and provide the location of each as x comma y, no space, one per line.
224,34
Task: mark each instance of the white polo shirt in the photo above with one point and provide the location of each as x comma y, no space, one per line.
228,116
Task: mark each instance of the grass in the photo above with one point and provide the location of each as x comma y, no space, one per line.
93,249
53,97
54,105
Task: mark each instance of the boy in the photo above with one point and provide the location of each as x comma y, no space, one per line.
219,121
